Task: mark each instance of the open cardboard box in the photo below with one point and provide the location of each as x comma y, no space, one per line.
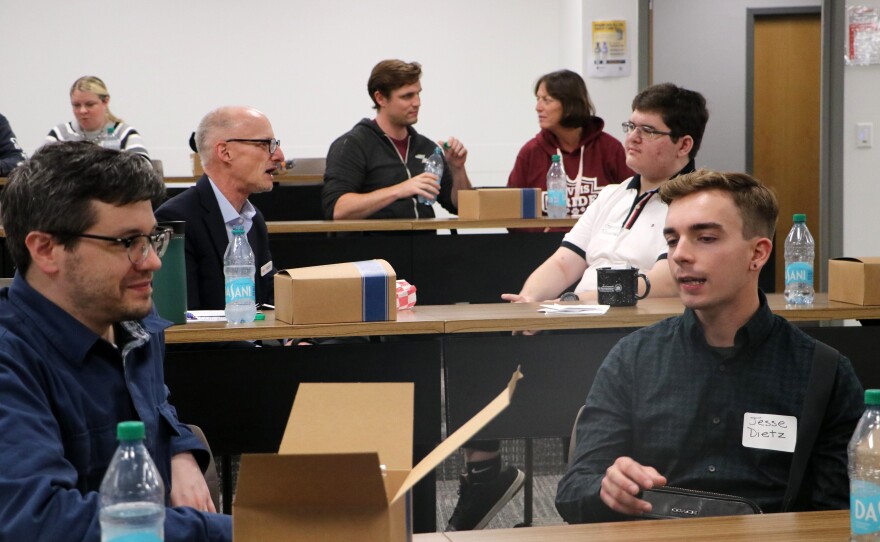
327,482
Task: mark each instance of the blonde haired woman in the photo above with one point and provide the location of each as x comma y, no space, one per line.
94,122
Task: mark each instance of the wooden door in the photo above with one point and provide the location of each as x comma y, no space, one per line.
787,70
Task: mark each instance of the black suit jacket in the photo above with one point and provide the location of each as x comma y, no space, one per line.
206,241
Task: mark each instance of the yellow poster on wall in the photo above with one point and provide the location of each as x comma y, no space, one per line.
609,52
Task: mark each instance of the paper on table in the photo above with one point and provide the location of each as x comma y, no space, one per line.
558,308
205,316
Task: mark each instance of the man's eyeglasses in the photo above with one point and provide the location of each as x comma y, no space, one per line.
647,132
137,246
272,144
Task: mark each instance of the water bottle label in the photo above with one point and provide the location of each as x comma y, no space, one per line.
798,272
864,506
556,197
136,537
239,288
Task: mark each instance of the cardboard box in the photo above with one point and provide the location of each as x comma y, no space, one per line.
196,164
854,280
499,203
326,484
344,292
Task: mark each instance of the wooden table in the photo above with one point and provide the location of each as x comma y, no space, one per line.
289,179
406,224
242,398
496,317
828,526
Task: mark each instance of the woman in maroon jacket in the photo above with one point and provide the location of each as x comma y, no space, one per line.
591,158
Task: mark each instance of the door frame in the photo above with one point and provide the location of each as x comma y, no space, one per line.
830,119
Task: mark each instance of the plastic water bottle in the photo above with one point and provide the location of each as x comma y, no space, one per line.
864,472
239,270
434,165
132,492
799,252
557,190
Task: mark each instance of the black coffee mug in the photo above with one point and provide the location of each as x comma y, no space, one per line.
619,287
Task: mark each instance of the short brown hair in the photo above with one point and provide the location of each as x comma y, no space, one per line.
569,88
390,75
682,110
756,202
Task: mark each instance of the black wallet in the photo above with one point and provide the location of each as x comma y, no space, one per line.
675,502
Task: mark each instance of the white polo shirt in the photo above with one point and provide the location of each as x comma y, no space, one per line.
619,227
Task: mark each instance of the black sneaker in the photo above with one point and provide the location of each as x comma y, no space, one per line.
479,503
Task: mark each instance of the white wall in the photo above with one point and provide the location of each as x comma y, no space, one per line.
304,63
861,167
612,96
701,45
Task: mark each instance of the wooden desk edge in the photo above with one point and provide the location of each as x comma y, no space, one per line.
405,224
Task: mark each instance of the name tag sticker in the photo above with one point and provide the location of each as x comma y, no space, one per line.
266,269
769,432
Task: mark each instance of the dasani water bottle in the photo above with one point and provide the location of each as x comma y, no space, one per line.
434,164
864,473
557,190
132,492
239,270
799,252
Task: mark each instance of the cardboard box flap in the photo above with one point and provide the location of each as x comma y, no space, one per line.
465,433
860,259
283,482
334,418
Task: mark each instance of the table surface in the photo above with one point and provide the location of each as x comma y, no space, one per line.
406,224
477,318
826,526
289,179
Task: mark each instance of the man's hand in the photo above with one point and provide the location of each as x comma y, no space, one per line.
425,185
188,487
519,298
623,481
454,152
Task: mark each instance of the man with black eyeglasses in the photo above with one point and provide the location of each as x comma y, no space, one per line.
625,223
81,348
240,155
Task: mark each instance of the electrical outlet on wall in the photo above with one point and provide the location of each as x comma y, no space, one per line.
864,135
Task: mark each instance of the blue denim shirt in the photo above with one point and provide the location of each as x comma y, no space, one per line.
63,389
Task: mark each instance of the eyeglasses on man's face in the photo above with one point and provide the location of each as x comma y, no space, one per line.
646,132
270,143
137,246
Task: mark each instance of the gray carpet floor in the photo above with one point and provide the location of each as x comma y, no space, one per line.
548,467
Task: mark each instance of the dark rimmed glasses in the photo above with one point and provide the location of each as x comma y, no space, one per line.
271,143
137,246
647,132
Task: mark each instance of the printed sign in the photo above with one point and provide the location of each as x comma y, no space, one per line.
609,54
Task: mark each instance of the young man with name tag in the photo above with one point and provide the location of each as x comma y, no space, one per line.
711,400
240,155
